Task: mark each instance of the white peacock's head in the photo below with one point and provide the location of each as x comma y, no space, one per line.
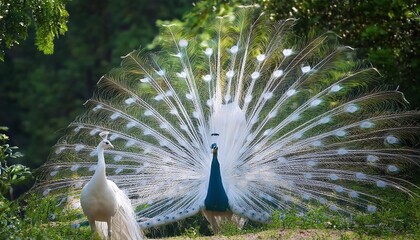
106,144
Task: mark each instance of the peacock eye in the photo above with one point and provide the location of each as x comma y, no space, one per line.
106,143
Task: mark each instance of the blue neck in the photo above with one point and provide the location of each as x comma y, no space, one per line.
216,199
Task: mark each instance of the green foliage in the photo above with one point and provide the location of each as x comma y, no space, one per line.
14,176
38,218
49,18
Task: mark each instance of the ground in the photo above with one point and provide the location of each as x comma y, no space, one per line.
291,234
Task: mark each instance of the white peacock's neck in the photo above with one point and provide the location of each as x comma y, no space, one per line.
100,168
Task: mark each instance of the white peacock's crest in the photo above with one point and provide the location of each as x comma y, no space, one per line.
299,124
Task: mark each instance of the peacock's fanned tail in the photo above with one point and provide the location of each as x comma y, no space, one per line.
300,123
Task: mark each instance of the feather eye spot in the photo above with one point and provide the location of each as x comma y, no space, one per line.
79,147
311,163
207,78
339,189
333,177
234,49
317,143
255,75
360,176
189,96
298,135
130,125
94,131
342,151
340,133
316,102
372,158
273,114
306,197
97,107
291,92
294,117
117,158
182,74
92,168
336,88
230,74
173,111
277,73
351,108
161,73
366,124
391,139
353,194
325,120
183,43
59,150
130,143
333,207
261,57
268,95
305,69
129,101
371,208
208,51
158,97
287,52
392,168
248,98
148,113
145,80
78,128
46,192
267,132
74,167
115,115
380,184
93,153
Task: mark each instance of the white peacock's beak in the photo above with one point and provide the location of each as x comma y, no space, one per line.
110,145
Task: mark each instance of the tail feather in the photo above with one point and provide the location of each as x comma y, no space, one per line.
124,223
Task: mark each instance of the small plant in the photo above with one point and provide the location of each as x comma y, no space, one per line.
14,176
228,228
38,218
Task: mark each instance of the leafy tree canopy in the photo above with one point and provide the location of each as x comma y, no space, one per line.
49,18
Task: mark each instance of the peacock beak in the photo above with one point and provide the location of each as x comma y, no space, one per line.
110,145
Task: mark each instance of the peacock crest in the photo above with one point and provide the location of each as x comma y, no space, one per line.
299,123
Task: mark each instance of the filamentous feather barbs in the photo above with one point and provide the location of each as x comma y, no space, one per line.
300,125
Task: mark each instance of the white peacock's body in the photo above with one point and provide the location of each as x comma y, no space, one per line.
299,124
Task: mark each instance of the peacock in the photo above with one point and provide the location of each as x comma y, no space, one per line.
240,122
107,208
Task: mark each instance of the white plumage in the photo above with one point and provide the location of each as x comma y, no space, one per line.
300,124
107,208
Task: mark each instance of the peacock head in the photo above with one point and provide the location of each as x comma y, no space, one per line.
214,148
105,143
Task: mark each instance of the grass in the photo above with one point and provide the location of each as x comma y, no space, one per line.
37,218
